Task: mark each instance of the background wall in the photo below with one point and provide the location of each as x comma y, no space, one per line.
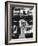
2,23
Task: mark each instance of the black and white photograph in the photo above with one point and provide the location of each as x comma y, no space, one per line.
20,22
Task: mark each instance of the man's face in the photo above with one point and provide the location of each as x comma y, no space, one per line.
22,23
